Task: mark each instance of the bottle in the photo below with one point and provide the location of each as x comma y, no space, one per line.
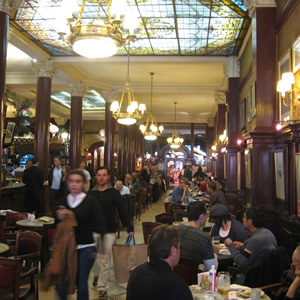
212,278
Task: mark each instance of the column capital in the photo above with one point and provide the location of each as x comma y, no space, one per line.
44,68
232,67
220,98
109,96
76,89
252,4
8,6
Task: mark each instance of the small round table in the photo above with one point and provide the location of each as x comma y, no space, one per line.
3,248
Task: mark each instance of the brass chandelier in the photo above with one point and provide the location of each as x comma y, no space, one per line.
101,38
175,141
128,111
151,131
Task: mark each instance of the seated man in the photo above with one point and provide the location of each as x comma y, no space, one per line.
214,196
248,255
124,190
193,242
156,279
293,291
181,192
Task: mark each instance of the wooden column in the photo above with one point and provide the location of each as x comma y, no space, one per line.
44,71
109,141
4,19
129,149
76,124
192,139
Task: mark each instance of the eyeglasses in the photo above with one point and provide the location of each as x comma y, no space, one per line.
294,267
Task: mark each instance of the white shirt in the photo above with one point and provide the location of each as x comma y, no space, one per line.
18,169
125,190
56,178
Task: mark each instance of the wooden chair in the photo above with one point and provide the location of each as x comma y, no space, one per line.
12,218
149,196
2,228
187,269
165,218
138,207
143,198
11,278
167,206
179,214
147,229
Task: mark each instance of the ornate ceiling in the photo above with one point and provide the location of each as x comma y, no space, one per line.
167,27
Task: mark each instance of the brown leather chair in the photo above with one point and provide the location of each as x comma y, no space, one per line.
165,218
179,214
138,206
147,229
12,218
11,278
187,269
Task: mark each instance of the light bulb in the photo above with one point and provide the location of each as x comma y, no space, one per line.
161,128
114,106
134,105
142,108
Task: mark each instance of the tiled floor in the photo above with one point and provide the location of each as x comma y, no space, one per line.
156,208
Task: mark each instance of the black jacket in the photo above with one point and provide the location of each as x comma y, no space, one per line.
50,177
33,177
155,280
111,200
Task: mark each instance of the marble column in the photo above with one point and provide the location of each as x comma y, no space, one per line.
76,90
192,139
121,150
6,8
45,71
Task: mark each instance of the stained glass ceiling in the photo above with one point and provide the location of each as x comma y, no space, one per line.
167,27
91,100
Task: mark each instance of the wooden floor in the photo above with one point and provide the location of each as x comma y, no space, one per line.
119,290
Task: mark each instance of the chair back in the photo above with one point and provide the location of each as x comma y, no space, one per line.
270,270
167,206
165,218
2,238
179,214
10,270
147,229
187,269
12,218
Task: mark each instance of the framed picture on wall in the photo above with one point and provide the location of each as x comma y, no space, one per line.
296,55
284,65
243,114
279,174
249,105
253,99
298,181
9,134
248,168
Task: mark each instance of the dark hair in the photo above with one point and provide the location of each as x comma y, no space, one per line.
82,160
208,178
68,168
77,172
256,216
219,220
58,157
162,239
212,185
186,181
103,168
34,160
216,179
17,163
195,210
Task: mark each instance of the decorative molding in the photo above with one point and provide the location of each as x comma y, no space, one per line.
109,96
253,4
232,68
8,6
44,68
9,33
76,89
220,98
285,14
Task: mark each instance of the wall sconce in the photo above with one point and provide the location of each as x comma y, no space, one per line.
214,148
223,137
285,86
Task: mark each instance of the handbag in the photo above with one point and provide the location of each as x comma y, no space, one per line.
126,257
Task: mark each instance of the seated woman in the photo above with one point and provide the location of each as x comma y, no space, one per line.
293,291
225,226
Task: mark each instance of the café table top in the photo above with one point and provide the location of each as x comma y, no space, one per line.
34,224
3,248
234,293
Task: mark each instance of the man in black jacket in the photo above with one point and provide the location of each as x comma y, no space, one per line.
111,201
33,177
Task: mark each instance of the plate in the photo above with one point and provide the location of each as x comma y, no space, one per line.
222,246
247,293
224,251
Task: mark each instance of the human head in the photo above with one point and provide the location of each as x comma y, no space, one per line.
34,161
82,164
296,261
211,186
16,164
253,218
219,213
57,161
28,164
127,177
76,181
217,180
134,175
66,169
119,185
196,212
208,179
102,176
164,244
183,182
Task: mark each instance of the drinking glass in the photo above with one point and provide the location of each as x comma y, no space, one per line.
223,284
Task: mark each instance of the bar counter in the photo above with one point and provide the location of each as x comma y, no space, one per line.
13,197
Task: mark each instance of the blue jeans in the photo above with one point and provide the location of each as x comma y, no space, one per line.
86,258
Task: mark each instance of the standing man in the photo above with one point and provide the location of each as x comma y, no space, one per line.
146,173
111,202
54,179
33,177
188,172
86,173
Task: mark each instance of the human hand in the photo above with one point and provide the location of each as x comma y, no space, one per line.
238,245
228,241
62,213
216,249
293,288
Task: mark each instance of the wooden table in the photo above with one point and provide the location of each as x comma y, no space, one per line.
200,293
3,248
